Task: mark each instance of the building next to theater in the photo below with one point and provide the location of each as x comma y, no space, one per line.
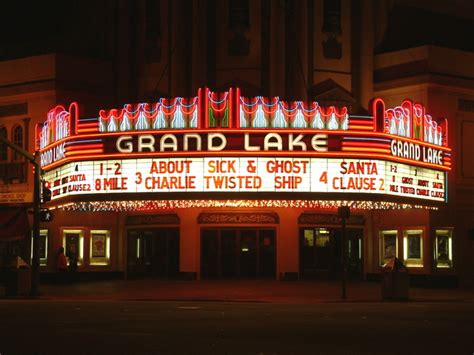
313,55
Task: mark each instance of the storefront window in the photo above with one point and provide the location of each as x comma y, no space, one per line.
309,237
388,246
322,237
43,247
100,247
413,247
73,242
443,248
18,140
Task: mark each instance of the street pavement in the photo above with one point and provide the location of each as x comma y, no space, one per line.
192,327
271,291
235,317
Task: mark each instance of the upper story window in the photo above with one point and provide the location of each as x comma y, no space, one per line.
239,14
239,43
332,46
152,31
17,140
3,146
332,16
152,18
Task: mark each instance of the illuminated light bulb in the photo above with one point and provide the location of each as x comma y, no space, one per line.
393,126
112,126
243,121
102,126
279,120
154,205
142,123
178,120
194,119
259,120
125,124
317,121
159,120
401,127
299,121
345,122
333,125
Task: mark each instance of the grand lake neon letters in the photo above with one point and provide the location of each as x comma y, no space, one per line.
217,142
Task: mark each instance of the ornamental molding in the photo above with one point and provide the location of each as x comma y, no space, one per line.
165,218
238,218
329,219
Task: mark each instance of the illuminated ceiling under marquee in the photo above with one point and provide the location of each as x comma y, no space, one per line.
215,145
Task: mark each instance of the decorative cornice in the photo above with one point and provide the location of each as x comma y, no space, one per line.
165,218
329,219
238,218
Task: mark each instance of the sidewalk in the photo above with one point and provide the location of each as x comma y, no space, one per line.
297,292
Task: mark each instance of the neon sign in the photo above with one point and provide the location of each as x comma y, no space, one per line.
400,151
216,142
249,174
410,120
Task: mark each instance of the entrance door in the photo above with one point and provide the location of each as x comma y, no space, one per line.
238,252
248,253
210,258
229,255
321,252
354,253
153,252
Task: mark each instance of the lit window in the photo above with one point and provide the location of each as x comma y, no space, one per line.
388,246
413,247
308,238
43,247
444,248
18,140
100,247
73,243
322,237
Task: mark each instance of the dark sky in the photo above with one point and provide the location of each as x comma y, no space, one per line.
35,27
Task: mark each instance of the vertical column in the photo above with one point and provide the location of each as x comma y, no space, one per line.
189,241
366,64
287,242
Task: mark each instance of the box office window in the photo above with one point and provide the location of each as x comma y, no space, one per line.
43,247
100,247
388,246
413,247
73,243
444,248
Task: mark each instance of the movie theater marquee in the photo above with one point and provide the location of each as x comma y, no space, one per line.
352,158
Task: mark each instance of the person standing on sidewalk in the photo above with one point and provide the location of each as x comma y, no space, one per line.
61,266
72,266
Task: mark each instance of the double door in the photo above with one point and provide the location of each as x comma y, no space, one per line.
238,253
321,252
153,252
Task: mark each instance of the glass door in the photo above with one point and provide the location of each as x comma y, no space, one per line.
153,252
238,252
321,252
248,253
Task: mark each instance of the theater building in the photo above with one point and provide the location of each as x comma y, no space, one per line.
225,183
224,186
